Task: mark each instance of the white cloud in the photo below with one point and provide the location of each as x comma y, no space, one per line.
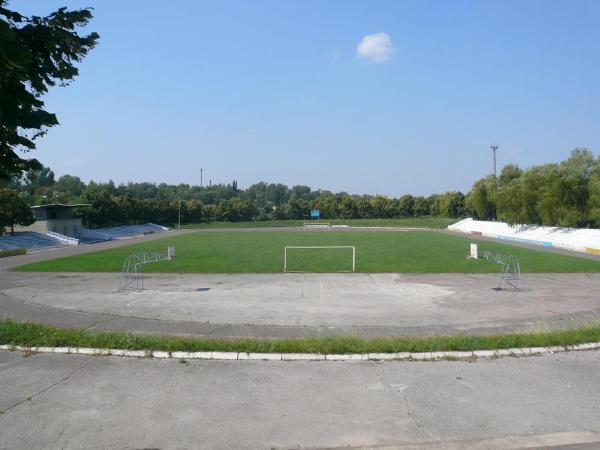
376,48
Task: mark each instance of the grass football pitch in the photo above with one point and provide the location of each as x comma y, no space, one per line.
263,252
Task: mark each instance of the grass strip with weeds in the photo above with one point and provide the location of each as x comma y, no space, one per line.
34,335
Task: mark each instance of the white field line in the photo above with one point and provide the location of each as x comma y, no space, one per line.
222,356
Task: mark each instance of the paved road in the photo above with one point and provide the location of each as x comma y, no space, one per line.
70,401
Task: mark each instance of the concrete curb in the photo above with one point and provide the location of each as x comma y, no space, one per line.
229,356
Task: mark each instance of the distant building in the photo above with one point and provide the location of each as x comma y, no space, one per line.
57,218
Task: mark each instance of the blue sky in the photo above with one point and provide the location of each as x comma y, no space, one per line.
278,91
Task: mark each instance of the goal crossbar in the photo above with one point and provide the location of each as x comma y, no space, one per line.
287,247
309,225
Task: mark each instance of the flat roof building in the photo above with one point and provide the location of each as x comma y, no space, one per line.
57,218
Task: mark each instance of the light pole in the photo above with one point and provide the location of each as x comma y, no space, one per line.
266,193
494,148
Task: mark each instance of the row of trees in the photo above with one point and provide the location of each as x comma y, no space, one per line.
564,194
148,202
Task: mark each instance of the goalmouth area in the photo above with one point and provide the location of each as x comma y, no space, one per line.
319,258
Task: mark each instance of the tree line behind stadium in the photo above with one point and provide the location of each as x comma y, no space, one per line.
563,194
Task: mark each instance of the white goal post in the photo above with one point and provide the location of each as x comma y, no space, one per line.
285,254
317,225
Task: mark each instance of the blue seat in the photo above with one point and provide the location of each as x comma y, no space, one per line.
130,230
28,240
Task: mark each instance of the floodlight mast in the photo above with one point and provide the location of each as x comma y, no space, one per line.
494,148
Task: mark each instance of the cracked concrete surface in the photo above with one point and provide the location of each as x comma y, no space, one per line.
138,403
46,388
298,305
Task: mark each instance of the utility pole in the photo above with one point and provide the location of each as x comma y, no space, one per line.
200,176
179,216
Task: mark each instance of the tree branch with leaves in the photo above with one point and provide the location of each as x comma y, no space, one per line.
36,53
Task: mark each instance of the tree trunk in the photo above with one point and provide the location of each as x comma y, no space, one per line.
12,229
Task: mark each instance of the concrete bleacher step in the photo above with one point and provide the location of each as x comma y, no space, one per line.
578,239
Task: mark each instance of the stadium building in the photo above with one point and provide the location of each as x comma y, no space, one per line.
57,218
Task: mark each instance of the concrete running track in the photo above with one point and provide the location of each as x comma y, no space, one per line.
295,305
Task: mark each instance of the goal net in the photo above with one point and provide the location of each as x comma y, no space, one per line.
323,258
